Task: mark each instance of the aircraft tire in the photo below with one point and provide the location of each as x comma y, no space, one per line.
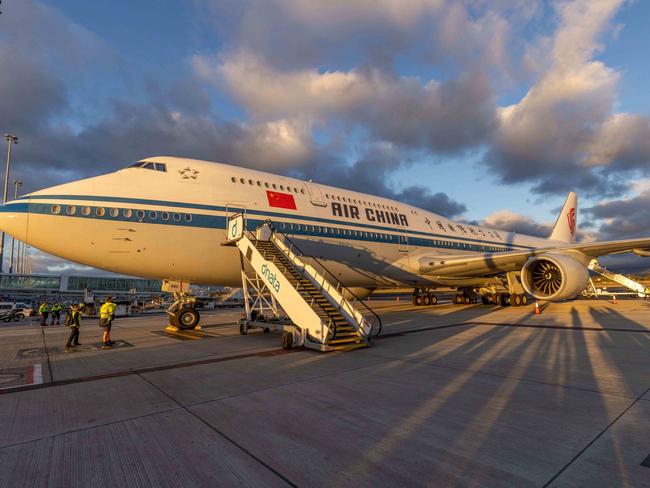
434,299
458,299
524,300
426,300
187,318
467,300
516,300
243,328
287,340
417,300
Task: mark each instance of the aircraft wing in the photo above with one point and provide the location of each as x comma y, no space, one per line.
493,263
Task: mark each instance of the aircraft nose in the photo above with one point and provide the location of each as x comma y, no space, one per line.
14,216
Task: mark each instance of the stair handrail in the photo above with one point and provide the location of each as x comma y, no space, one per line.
376,324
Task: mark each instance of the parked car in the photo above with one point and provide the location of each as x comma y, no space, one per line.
20,309
9,315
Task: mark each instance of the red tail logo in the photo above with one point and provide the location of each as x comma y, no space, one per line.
571,218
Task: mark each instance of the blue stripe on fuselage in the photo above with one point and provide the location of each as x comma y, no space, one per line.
219,222
311,220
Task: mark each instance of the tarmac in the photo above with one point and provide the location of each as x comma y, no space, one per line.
468,395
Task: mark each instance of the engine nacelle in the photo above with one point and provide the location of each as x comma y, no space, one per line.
554,277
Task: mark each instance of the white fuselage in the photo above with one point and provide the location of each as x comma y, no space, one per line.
147,222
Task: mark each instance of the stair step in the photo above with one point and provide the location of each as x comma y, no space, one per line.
346,340
351,347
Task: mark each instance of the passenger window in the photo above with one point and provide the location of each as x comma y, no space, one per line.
259,183
85,211
71,210
153,215
188,218
55,209
114,212
274,186
266,184
250,182
282,187
100,211
233,179
127,212
242,181
140,214
177,217
164,215
302,191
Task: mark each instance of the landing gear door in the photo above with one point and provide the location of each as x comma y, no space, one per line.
315,195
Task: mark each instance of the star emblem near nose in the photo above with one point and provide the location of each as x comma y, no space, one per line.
188,173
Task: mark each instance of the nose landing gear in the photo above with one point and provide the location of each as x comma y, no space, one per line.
182,313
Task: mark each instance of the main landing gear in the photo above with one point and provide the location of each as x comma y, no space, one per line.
424,296
182,313
504,299
463,299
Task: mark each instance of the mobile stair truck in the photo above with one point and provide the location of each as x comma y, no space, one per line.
283,292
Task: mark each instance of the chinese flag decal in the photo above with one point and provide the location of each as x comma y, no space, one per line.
281,200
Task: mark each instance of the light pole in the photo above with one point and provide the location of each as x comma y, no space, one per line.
11,139
17,184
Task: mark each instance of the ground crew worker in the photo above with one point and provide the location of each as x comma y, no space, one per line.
56,313
106,316
73,320
44,311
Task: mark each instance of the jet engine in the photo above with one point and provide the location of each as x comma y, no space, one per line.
554,277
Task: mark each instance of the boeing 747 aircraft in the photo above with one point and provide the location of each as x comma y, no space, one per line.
166,218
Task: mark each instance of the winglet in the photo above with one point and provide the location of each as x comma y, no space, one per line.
566,224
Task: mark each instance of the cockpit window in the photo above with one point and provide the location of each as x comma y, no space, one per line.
150,165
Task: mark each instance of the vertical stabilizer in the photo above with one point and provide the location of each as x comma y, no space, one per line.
566,224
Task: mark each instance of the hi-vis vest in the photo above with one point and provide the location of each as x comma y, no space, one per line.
56,308
107,309
43,309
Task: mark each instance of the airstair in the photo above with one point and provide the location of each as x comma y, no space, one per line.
628,283
303,300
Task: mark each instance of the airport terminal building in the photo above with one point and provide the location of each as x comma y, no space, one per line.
34,285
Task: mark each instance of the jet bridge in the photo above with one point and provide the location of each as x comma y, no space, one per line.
640,289
304,301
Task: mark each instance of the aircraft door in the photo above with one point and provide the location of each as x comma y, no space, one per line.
403,242
315,195
233,209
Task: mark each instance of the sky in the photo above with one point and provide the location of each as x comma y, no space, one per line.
488,111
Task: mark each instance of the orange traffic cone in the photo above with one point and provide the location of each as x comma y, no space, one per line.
537,311
614,299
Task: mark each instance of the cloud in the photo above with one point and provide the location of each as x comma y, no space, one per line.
563,134
521,224
623,218
293,34
439,117
370,173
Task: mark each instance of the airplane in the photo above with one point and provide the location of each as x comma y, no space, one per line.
166,218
